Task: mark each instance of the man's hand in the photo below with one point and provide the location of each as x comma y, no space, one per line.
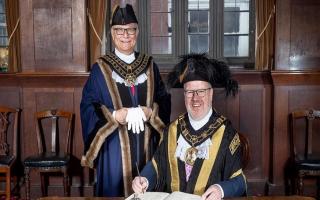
136,119
212,193
120,115
139,185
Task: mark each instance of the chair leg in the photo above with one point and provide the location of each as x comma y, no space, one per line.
44,184
318,188
300,186
8,184
66,185
27,181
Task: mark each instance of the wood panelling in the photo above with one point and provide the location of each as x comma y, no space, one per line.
53,36
292,91
296,76
36,92
54,62
298,30
50,47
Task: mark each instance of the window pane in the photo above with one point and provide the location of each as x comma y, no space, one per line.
161,24
161,6
236,22
204,4
2,18
198,22
198,43
236,46
3,39
242,5
161,27
198,4
161,45
2,6
3,25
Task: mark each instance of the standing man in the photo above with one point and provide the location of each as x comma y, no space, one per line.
124,107
200,152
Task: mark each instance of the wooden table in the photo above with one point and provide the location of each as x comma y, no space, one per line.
81,198
240,198
274,198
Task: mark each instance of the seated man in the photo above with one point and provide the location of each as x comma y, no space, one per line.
200,152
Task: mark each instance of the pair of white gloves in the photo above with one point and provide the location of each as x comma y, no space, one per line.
135,119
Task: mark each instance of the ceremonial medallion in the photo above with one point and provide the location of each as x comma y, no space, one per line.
191,155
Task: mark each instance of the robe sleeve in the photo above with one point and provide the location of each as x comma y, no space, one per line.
156,169
234,183
92,118
161,96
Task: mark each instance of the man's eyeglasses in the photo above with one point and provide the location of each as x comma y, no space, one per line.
120,31
200,92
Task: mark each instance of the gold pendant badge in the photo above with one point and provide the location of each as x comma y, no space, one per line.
191,155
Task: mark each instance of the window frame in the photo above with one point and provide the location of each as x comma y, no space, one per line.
180,35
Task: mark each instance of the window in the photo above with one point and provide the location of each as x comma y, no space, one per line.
222,28
3,38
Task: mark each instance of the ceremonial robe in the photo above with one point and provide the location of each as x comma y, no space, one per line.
167,173
109,146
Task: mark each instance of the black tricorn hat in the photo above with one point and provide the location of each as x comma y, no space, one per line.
123,15
194,67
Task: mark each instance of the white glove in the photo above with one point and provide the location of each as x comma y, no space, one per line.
135,118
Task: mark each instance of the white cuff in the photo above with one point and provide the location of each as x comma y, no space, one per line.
114,114
222,192
147,182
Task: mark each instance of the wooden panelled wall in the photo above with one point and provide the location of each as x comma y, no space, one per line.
54,70
296,78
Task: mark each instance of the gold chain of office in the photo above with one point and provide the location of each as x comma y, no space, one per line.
194,139
128,72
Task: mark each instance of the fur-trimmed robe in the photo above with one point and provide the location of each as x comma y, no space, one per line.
109,146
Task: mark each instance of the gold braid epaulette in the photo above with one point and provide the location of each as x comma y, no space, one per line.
129,72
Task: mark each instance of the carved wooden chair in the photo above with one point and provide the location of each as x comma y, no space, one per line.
304,148
245,150
54,158
9,121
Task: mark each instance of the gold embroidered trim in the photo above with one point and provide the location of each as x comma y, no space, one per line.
208,164
235,143
198,139
173,162
237,173
129,72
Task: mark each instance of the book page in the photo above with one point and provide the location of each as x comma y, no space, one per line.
182,196
150,196
165,196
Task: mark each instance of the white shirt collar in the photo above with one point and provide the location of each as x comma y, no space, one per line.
125,58
197,124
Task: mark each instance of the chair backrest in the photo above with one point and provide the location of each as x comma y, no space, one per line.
245,150
9,118
304,124
57,126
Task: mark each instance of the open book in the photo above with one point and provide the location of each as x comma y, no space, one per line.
165,196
